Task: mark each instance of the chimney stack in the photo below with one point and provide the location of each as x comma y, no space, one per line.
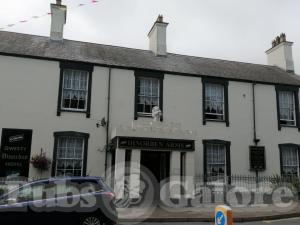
58,20
281,54
158,37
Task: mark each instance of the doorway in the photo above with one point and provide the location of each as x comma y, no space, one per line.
157,162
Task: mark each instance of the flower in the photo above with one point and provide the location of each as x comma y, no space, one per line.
41,162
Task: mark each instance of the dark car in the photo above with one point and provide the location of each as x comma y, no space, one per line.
72,200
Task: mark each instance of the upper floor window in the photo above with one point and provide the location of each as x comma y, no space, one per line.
287,111
287,106
289,160
70,154
215,100
75,88
148,92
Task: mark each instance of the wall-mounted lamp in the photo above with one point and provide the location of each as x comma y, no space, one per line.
102,123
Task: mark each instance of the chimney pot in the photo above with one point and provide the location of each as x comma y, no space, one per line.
277,40
282,37
58,2
160,19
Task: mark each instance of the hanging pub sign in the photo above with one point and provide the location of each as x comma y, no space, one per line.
257,158
15,152
156,144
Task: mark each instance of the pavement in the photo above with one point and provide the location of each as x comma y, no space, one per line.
206,213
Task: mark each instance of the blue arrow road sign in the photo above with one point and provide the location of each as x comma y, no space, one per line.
220,218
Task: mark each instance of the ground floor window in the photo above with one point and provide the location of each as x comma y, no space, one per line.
216,160
289,160
70,153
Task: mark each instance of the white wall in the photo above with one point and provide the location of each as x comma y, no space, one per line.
28,100
182,97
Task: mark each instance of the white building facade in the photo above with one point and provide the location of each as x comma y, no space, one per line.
88,107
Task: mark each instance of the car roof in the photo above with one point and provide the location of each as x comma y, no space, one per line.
66,178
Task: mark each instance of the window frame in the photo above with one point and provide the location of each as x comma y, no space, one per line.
59,134
89,68
227,157
223,82
281,149
295,91
148,74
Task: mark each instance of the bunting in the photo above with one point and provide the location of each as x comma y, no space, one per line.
34,17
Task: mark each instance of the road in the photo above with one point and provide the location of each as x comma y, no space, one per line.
293,221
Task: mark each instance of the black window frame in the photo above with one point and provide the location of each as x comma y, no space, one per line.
71,134
225,83
75,66
281,146
148,74
227,145
295,91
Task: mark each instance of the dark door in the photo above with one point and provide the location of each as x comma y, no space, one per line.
158,163
156,166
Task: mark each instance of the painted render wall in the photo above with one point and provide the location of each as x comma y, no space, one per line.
28,100
182,103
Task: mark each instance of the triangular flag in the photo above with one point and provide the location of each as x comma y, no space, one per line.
35,17
23,21
81,4
94,1
10,25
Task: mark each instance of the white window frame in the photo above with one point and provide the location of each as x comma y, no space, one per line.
86,91
82,153
208,164
223,102
283,149
139,95
294,110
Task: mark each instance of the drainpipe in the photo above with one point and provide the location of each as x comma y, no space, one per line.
255,140
107,121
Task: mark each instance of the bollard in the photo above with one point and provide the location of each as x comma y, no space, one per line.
223,215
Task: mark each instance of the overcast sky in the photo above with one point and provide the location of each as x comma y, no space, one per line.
239,30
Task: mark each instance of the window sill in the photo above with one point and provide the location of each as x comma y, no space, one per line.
140,115
144,115
212,120
73,110
288,126
217,121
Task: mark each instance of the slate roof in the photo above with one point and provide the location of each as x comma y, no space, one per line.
41,47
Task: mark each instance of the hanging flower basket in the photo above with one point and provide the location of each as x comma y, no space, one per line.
41,162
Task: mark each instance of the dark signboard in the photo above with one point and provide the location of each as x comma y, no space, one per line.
15,152
257,158
156,144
